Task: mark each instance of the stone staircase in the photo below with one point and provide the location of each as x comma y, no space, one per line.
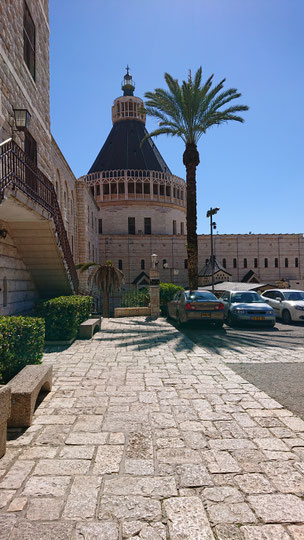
29,208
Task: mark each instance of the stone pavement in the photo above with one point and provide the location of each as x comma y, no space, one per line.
146,436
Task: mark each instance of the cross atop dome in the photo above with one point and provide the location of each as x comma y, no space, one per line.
128,85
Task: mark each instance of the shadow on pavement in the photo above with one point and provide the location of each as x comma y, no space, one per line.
236,338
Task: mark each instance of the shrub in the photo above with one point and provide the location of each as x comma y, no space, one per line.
21,343
166,293
135,298
63,315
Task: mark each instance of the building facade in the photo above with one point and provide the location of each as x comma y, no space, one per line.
40,240
129,205
143,211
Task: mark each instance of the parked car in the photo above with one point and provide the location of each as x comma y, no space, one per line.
287,303
196,305
248,307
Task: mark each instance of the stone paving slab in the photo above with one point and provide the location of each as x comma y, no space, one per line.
147,436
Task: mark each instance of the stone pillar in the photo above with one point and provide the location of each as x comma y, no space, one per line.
154,292
5,412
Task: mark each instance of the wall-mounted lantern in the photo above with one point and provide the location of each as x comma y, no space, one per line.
22,119
3,233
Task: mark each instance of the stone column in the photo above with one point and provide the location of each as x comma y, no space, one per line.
5,412
154,289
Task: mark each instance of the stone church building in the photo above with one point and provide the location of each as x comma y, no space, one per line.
128,206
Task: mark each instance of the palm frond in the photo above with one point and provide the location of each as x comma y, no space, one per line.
85,266
188,109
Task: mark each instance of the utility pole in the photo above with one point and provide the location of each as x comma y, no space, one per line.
211,212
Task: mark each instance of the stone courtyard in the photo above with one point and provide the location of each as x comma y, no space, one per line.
146,435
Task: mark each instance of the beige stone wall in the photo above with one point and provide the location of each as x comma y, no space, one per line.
133,249
87,225
260,247
115,217
17,290
18,89
65,185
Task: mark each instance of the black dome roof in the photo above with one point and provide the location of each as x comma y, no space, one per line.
122,150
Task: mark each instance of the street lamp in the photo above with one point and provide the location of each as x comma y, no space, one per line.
211,212
22,119
154,260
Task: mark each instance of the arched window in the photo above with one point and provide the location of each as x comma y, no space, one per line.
186,264
296,262
142,264
276,263
234,263
224,263
255,263
120,264
245,263
286,263
266,263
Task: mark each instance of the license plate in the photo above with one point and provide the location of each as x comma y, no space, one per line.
206,315
258,318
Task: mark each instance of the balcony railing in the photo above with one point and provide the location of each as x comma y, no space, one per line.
17,171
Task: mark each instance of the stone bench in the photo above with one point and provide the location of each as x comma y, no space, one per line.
88,328
25,387
5,411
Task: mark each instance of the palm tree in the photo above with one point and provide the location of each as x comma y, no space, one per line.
106,277
187,111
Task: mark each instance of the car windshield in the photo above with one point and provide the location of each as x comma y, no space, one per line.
294,295
246,298
199,296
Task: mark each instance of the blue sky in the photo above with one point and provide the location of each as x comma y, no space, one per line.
252,171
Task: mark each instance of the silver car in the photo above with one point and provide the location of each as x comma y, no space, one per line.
196,305
247,307
288,304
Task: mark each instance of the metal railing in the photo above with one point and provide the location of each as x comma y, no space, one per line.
18,172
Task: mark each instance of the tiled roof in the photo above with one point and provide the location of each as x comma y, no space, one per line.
122,150
207,270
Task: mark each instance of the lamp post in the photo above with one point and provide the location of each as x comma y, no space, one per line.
154,287
211,212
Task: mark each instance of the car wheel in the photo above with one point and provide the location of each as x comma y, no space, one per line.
286,316
229,319
218,324
179,321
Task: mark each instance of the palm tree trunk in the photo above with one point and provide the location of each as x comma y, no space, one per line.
191,161
106,304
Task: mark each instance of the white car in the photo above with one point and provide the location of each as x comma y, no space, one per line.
288,304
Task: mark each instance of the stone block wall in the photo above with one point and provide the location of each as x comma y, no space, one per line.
18,89
65,185
87,229
115,217
17,290
132,250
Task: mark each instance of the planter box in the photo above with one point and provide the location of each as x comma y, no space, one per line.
5,412
132,312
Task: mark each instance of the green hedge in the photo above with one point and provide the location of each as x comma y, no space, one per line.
63,315
167,291
21,343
